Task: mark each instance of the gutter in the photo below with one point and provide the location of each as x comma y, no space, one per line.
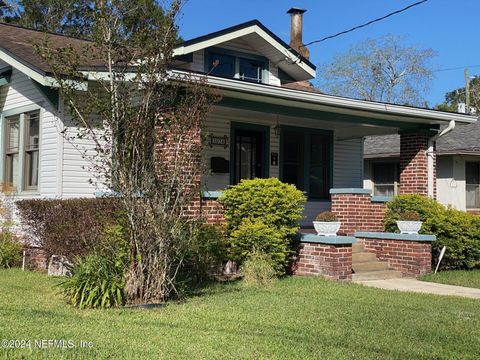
430,157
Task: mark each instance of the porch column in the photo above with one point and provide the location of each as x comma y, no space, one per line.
414,163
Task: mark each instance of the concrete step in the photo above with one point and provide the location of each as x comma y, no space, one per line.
361,257
376,275
369,266
358,247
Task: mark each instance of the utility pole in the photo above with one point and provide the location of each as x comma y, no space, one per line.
467,90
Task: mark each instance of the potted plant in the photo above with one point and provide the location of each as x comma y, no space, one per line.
326,224
409,222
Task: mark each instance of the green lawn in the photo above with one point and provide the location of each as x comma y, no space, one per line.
462,278
301,318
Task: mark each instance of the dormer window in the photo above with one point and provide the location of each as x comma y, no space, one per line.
236,65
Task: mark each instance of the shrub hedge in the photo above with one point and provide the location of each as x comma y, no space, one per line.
72,227
457,230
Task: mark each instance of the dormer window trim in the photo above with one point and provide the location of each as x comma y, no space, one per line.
237,58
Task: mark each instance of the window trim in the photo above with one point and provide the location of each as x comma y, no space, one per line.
21,111
27,150
237,56
306,159
396,183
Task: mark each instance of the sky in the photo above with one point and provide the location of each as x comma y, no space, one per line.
449,27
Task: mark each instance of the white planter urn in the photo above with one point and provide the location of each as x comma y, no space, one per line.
327,228
409,227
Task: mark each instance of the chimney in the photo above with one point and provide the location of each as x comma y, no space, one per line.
296,30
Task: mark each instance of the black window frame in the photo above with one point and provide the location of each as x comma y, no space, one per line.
328,174
237,57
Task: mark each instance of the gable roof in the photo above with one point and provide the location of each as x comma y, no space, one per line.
464,139
262,39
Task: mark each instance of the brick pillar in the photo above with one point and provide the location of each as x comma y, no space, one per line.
356,211
414,163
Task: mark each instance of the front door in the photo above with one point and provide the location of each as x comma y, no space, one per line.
249,154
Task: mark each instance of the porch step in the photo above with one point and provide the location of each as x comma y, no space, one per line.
358,247
369,266
376,275
361,257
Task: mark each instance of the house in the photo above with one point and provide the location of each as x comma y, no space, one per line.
270,123
458,167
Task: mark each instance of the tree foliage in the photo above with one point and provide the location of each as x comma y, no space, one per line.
145,126
380,70
457,96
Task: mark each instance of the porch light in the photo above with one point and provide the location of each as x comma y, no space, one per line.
276,128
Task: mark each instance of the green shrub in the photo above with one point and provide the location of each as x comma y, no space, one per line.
429,211
277,204
262,216
257,237
258,269
9,250
72,227
207,251
457,230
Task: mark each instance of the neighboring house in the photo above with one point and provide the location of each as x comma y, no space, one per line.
458,167
270,121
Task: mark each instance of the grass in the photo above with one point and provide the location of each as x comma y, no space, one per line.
295,318
469,278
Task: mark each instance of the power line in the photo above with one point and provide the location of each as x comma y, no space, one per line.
457,68
366,24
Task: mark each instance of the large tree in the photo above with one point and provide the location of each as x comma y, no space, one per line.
148,149
380,70
457,96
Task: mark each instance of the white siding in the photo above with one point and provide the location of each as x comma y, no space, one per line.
22,93
348,164
451,189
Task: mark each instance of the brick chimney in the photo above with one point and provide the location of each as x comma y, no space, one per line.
296,43
296,31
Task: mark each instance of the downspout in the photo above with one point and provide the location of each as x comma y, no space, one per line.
430,155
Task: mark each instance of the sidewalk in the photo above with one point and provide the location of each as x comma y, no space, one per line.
413,285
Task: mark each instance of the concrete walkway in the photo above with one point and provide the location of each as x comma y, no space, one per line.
413,285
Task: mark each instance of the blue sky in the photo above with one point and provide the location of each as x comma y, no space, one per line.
450,27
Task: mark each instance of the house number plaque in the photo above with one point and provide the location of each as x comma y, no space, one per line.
218,141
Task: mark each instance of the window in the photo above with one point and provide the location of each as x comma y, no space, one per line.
306,161
232,64
472,179
12,149
32,127
386,178
22,150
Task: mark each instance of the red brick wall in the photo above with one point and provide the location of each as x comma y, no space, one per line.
36,258
413,163
331,261
411,258
358,213
210,209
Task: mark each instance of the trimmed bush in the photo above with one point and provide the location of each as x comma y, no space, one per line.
457,230
326,216
262,216
256,237
258,269
9,250
72,227
275,203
